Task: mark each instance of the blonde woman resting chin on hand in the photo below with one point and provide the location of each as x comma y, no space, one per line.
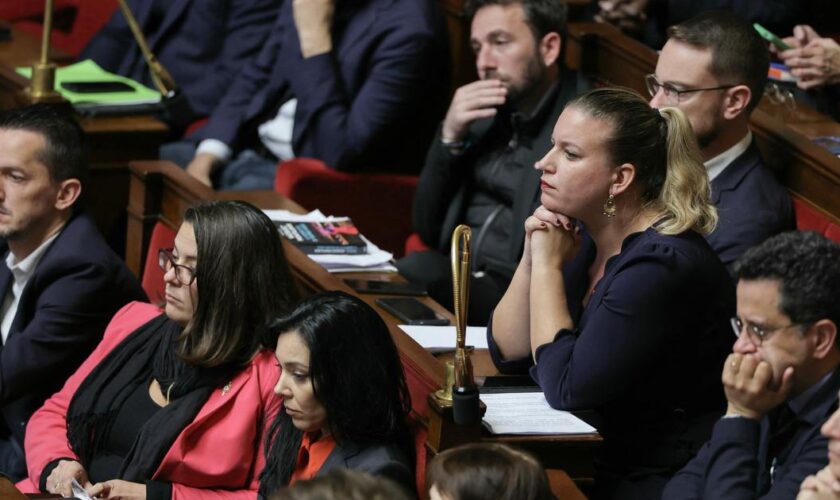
618,301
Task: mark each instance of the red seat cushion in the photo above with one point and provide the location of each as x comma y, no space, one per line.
379,204
810,218
162,237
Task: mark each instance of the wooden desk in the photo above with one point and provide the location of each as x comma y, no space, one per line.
811,172
161,192
113,140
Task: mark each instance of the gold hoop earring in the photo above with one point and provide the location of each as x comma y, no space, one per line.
609,206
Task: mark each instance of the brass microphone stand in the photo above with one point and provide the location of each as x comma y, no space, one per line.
42,85
465,401
160,76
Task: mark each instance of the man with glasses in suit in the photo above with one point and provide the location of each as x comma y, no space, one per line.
714,68
782,378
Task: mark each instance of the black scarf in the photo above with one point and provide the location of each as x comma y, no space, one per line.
149,352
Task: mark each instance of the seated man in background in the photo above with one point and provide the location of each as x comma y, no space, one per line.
61,283
204,45
714,68
351,83
480,168
781,380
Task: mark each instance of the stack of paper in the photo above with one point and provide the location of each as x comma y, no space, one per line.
438,338
528,413
375,260
89,71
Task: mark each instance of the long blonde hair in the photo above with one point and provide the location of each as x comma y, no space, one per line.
662,146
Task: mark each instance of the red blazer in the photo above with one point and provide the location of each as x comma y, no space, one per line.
218,456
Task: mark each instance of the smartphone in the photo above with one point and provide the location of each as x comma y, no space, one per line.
411,311
96,87
770,37
387,287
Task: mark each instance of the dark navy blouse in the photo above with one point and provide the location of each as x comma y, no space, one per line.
647,351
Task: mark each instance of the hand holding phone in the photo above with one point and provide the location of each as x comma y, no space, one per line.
411,311
771,37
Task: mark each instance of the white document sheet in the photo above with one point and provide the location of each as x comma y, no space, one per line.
529,413
443,337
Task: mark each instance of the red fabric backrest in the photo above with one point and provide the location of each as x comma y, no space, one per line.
420,434
162,237
809,218
90,16
379,204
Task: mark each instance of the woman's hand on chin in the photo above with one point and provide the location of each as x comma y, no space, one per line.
553,246
554,218
118,489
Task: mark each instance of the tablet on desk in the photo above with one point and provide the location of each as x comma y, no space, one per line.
98,87
411,311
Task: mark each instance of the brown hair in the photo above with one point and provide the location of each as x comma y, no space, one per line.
342,484
739,55
488,470
662,147
243,281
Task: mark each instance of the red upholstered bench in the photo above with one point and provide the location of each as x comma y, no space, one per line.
152,282
811,218
379,204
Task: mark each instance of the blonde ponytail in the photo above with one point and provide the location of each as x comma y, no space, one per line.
685,199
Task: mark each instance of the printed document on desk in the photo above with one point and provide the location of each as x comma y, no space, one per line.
375,260
529,413
443,337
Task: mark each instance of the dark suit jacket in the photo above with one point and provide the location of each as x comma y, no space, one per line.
387,461
369,103
752,206
77,287
735,463
204,45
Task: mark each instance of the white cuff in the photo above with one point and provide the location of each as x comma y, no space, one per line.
216,148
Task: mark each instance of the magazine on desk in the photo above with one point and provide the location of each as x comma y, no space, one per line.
336,237
373,259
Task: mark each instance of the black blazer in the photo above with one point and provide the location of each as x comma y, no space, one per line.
387,461
77,287
752,206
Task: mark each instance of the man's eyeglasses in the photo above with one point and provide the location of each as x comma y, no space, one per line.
674,95
184,274
755,333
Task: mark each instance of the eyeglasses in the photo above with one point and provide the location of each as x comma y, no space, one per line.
674,95
184,274
755,333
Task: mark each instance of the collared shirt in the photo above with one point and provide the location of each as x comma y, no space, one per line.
21,271
275,134
716,165
311,456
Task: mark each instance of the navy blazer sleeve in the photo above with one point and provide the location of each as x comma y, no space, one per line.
727,467
341,127
623,336
70,314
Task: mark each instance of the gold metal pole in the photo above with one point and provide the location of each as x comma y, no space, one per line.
460,255
160,76
42,85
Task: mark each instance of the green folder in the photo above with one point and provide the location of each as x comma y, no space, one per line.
89,71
